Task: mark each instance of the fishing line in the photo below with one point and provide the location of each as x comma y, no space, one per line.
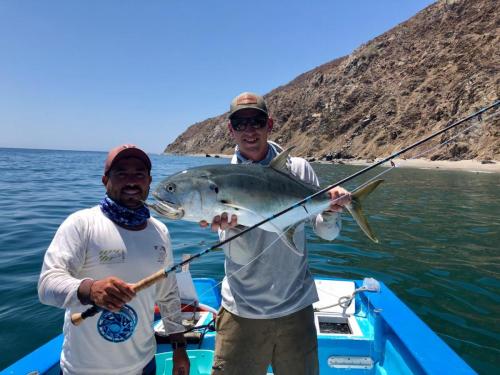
209,290
77,318
189,244
468,342
479,123
375,177
244,266
253,260
448,140
280,235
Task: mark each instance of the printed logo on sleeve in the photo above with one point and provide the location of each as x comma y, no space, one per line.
111,256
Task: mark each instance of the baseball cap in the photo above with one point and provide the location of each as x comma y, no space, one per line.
125,151
247,100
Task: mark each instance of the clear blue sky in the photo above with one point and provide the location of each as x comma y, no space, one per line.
91,74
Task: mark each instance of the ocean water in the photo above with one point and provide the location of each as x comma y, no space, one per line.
439,249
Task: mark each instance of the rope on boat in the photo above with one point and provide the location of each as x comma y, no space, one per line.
369,285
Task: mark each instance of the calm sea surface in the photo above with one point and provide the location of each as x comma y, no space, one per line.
439,250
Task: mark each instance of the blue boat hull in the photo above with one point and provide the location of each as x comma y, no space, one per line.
385,337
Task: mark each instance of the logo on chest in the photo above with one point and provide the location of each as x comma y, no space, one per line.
117,327
111,256
161,252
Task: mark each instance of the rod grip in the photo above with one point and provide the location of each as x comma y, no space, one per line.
77,318
148,281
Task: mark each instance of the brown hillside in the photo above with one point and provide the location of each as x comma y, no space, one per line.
425,73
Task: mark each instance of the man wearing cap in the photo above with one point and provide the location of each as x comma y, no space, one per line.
94,255
267,315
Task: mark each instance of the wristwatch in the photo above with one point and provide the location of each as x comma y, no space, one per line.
178,345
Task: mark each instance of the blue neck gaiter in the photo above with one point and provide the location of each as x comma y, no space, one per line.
122,215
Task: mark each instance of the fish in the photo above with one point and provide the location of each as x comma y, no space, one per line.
253,192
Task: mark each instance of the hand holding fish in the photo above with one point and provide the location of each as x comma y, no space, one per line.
221,222
340,198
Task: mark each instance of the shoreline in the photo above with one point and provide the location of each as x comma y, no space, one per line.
492,166
446,165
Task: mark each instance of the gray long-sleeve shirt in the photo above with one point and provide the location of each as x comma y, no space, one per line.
264,278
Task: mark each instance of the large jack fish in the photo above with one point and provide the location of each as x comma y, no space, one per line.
252,192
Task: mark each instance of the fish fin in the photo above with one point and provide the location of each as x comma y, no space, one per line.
356,211
236,207
288,239
280,162
363,191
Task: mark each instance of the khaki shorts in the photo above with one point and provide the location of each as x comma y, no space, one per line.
247,346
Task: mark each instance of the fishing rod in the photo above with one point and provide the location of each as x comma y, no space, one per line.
77,318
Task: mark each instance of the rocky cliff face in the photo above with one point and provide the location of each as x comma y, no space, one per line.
422,75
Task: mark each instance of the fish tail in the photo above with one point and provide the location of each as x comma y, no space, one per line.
356,211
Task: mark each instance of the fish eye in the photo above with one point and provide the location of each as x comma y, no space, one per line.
214,188
170,188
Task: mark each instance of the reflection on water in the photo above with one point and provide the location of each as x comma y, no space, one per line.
439,238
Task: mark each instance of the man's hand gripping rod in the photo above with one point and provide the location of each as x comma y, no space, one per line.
77,318
157,276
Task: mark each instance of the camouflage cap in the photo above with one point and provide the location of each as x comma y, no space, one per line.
248,100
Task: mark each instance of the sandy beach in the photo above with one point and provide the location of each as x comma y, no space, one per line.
462,165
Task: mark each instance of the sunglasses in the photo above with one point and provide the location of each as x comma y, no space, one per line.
241,124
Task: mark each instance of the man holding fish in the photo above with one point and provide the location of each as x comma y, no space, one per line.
268,292
259,204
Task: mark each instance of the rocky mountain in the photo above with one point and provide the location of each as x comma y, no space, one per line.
427,72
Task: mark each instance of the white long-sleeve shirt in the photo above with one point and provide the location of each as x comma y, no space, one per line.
89,245
264,278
